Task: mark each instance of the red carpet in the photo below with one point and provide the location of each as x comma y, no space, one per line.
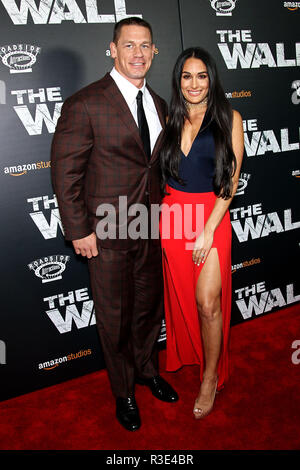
258,409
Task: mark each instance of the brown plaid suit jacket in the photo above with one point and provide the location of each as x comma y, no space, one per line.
97,156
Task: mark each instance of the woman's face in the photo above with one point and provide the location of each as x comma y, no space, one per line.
194,80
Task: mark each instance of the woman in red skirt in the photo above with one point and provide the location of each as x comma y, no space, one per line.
201,160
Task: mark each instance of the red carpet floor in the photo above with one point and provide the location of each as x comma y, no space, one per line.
259,409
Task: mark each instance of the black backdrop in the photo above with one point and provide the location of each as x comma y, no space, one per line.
49,49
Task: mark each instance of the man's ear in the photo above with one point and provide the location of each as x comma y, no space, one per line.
113,50
153,50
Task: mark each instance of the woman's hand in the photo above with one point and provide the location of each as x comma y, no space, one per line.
202,247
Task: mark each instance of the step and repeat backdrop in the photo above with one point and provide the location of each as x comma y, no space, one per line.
48,50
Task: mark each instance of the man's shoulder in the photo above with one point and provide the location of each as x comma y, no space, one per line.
92,90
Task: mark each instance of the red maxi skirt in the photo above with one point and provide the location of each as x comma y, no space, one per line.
184,342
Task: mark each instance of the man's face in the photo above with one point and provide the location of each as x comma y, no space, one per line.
133,53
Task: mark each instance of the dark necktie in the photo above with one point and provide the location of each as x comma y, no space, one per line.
143,126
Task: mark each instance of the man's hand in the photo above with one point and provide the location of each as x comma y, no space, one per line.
86,246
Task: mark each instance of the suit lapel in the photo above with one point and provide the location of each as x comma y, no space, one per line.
158,106
161,116
117,100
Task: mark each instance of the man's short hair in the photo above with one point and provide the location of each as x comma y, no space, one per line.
133,20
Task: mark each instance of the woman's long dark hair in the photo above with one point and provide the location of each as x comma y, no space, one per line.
220,119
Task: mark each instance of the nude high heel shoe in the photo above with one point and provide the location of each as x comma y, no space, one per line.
200,411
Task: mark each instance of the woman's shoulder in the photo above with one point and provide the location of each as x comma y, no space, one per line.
237,128
237,121
236,116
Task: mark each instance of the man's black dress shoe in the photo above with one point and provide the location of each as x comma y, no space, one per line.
159,388
127,413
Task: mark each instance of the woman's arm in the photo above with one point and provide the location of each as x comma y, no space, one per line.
205,240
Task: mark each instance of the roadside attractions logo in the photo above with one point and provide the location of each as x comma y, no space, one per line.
49,268
223,8
19,58
243,183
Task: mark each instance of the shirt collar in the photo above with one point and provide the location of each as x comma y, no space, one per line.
128,90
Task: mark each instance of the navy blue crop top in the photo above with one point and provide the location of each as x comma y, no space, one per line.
197,168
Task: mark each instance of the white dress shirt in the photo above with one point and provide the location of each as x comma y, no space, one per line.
129,92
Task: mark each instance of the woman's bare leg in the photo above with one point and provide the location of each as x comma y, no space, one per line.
208,298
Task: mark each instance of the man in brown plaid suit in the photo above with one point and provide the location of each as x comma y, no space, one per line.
97,156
